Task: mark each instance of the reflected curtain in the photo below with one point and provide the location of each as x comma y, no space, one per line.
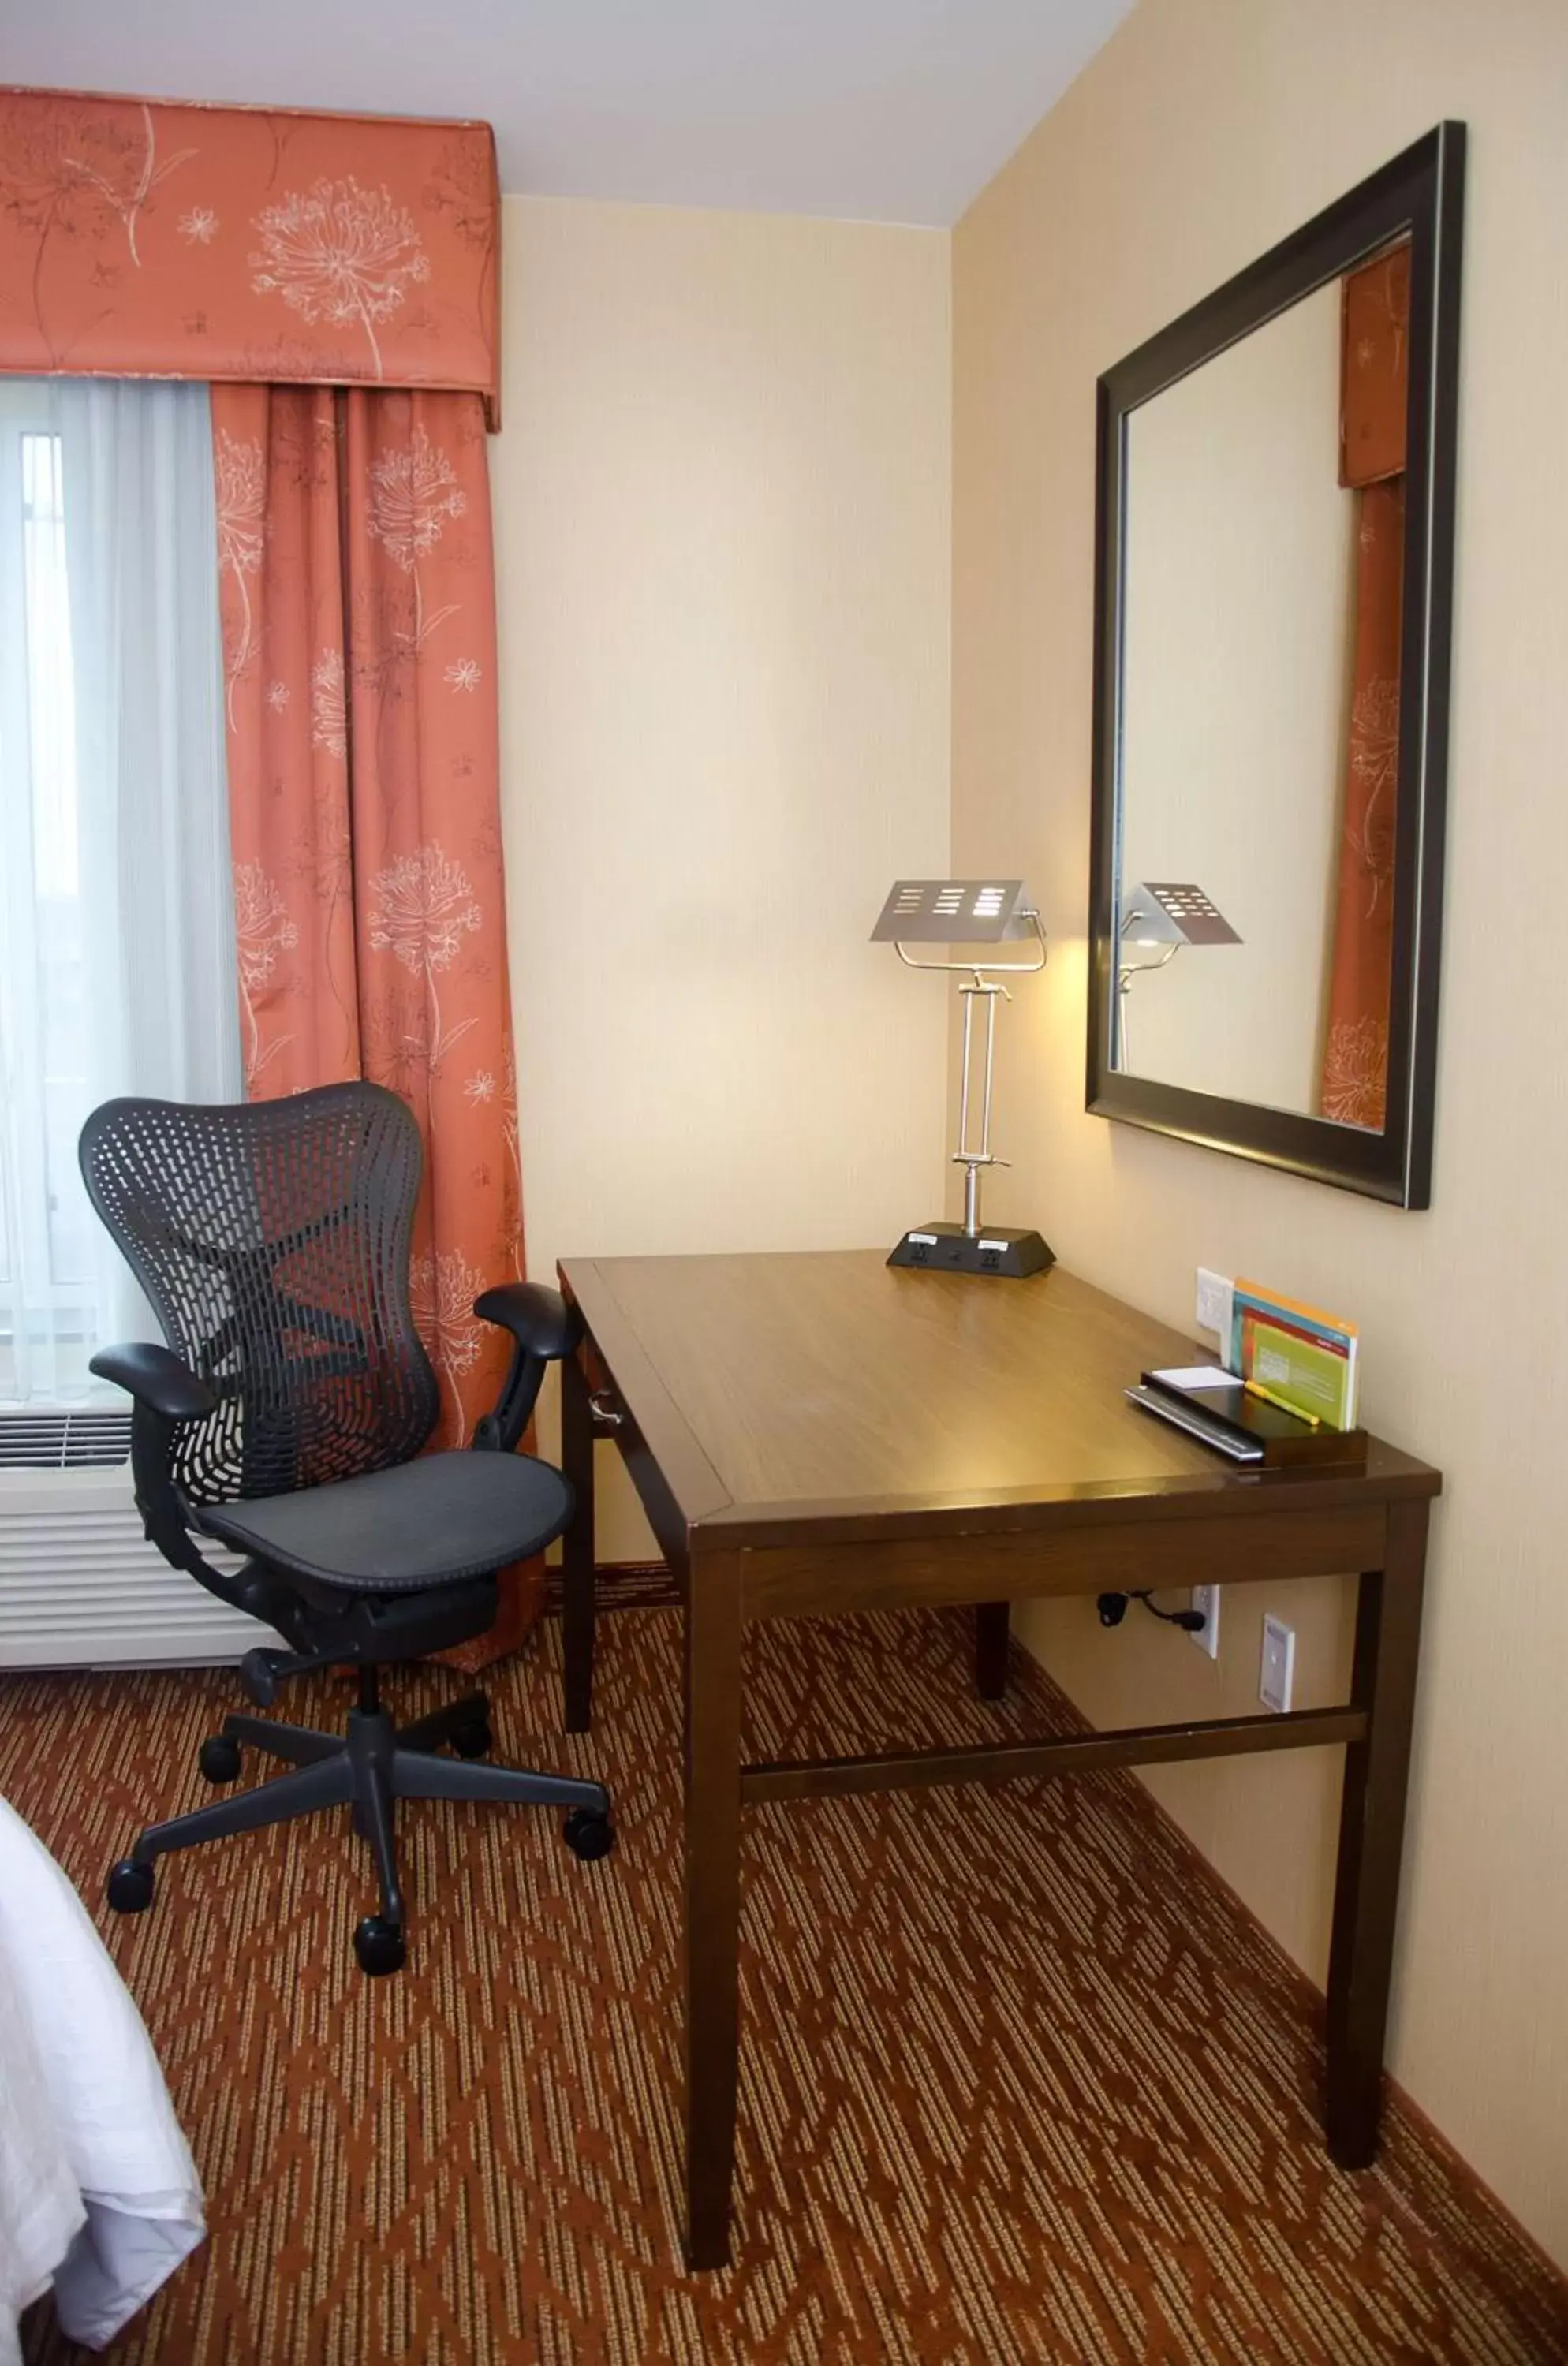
358,605
1374,359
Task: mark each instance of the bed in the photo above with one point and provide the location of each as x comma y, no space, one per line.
100,2196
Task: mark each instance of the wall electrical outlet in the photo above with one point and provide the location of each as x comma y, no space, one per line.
1206,1598
1215,1296
1278,1670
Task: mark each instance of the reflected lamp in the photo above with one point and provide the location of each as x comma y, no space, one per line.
1162,915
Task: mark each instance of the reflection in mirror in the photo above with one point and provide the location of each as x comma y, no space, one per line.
1260,660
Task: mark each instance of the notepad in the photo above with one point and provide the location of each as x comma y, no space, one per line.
1217,1408
1221,1397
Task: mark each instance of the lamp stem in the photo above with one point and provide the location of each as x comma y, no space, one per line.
969,994
990,1067
971,1203
972,1161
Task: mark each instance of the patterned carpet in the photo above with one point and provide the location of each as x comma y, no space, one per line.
1021,2084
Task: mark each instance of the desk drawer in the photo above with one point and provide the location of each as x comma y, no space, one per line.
805,1581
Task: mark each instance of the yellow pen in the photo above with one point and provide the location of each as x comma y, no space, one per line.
1256,1389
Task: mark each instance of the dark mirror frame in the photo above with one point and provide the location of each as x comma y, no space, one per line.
1421,192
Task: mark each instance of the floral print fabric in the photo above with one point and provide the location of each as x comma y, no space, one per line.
359,602
144,240
1374,359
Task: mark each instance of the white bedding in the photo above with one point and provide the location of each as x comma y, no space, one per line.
98,2193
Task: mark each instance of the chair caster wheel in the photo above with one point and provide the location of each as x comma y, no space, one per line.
218,1759
473,1739
380,1945
588,1835
129,1887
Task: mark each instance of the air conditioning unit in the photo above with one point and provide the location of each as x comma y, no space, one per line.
79,1586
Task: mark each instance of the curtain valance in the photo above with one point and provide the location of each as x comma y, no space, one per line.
140,239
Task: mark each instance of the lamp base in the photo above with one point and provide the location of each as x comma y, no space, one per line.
997,1248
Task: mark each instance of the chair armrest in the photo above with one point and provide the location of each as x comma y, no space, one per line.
164,1390
157,1378
544,1328
539,1319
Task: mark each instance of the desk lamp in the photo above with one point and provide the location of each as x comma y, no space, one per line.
968,912
1156,913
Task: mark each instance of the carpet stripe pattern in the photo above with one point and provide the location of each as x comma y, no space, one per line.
1020,2082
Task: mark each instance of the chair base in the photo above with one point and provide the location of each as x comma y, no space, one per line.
366,1770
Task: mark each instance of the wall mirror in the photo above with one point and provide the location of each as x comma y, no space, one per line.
1274,570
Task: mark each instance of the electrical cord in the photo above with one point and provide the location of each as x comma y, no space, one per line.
1112,1609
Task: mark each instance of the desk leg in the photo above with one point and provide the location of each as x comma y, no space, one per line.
578,1548
1372,1833
712,1899
991,1649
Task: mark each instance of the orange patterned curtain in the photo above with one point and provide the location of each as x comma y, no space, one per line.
358,598
305,265
1374,356
145,240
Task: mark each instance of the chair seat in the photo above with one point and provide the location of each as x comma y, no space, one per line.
435,1521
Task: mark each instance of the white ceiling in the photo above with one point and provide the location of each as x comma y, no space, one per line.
880,110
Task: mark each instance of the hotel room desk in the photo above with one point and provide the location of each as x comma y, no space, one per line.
813,1434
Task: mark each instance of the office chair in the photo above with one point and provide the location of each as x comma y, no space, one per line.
284,1419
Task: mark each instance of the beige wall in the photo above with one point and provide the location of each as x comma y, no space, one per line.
1206,129
723,526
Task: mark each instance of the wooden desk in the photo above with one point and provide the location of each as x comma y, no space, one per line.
815,1434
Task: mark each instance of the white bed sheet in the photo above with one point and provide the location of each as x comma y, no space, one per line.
98,2191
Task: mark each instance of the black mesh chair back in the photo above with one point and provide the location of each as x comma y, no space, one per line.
272,1240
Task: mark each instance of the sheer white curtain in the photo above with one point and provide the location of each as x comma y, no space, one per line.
116,952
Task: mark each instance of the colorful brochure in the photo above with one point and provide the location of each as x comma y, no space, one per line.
1305,1359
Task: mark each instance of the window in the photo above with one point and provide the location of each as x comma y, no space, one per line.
46,1259
101,485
